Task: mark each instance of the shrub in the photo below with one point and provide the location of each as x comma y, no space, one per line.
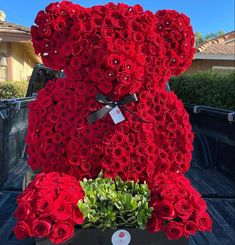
114,203
206,88
10,90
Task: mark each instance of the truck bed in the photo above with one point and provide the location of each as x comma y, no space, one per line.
212,170
217,189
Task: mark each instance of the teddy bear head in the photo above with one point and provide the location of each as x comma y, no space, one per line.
117,47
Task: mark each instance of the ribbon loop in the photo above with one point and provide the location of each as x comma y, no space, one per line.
128,99
103,99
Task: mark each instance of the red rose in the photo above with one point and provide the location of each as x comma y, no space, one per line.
44,204
33,163
138,37
75,63
44,31
198,202
22,211
124,78
101,10
86,56
41,228
73,11
62,209
40,18
95,165
26,196
204,222
97,150
77,217
84,152
184,209
108,22
166,210
21,230
73,146
174,230
132,175
87,26
82,15
60,24
107,163
107,33
190,228
100,57
52,8
61,232
155,223
96,75
105,87
114,61
77,49
118,152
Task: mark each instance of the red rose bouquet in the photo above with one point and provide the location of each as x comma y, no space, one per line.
179,209
48,208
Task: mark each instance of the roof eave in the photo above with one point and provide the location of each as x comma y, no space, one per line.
199,56
15,37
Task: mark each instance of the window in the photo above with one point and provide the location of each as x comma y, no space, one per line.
3,67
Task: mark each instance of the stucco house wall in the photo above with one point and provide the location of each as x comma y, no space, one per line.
205,65
22,64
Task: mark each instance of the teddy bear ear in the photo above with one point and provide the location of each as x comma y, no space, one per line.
50,35
178,39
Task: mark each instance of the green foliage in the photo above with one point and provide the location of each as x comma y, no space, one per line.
111,204
9,90
206,88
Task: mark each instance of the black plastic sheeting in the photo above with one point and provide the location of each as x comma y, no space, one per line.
14,121
212,171
13,128
214,143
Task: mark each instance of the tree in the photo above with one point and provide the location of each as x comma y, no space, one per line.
200,38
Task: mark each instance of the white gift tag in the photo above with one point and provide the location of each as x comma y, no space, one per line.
116,115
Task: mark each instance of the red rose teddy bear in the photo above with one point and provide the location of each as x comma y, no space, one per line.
111,112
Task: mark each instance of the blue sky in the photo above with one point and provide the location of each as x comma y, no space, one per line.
206,15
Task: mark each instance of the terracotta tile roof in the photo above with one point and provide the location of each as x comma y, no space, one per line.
216,48
222,45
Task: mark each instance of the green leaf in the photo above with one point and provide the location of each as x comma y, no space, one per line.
111,203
